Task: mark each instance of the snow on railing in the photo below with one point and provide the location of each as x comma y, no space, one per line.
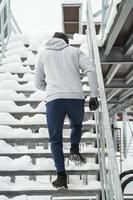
110,181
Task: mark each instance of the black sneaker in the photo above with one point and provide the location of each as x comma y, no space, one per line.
76,157
61,182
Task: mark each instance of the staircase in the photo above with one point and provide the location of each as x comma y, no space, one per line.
26,169
36,144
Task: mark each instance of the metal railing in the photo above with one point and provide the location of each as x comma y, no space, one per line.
5,24
110,181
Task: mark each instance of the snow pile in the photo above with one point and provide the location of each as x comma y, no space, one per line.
11,59
20,37
16,44
9,132
6,118
38,95
36,119
13,84
10,95
45,164
44,185
6,148
22,52
31,59
80,38
22,197
85,79
10,106
41,107
90,121
15,68
86,88
8,76
89,135
28,77
43,132
22,163
28,86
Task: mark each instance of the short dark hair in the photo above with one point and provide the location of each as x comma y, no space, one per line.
61,36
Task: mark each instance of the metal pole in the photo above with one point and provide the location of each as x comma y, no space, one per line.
2,33
124,134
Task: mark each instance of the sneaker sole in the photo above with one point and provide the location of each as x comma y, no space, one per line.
75,158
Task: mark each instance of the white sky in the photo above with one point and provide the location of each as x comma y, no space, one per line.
42,16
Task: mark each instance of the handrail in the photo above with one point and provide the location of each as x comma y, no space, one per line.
113,188
5,24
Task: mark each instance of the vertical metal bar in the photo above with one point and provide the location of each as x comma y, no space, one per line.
106,121
120,151
8,17
100,157
2,32
124,134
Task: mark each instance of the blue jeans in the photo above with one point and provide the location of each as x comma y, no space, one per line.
56,111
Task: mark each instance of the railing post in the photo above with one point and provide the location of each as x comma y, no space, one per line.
8,17
2,32
124,134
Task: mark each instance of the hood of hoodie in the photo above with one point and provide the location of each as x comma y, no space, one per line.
56,44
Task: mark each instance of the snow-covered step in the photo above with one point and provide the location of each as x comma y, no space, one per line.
34,153
20,136
36,126
47,172
86,191
34,140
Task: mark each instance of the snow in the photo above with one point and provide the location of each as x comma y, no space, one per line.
42,185
22,52
38,95
9,132
11,59
7,118
15,44
31,59
13,84
41,107
85,79
20,37
22,163
15,68
22,197
28,77
9,94
86,88
10,106
6,148
8,76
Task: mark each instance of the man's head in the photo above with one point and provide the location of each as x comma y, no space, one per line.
61,36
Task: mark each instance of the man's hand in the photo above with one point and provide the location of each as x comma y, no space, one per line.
93,103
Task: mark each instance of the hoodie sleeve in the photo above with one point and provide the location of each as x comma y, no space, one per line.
90,70
40,75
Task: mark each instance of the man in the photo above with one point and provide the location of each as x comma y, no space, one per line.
58,73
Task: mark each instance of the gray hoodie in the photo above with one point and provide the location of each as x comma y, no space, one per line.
58,71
